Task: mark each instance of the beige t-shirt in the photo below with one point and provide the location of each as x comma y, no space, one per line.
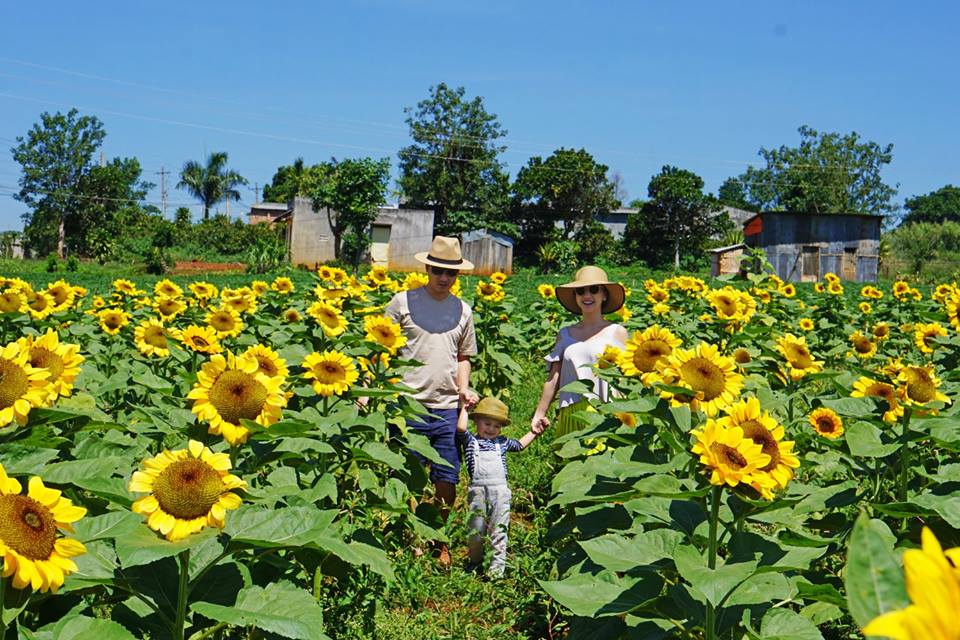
437,332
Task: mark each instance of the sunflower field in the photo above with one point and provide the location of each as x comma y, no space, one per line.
201,461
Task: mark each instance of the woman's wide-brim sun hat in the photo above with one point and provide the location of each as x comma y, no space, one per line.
491,408
444,253
589,276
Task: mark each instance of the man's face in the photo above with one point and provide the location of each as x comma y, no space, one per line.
441,279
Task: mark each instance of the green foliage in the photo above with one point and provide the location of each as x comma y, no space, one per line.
291,181
592,240
158,261
733,194
73,264
557,256
678,218
54,157
211,183
453,163
268,251
52,263
569,186
937,206
826,173
919,243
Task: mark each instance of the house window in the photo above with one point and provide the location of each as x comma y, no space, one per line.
811,262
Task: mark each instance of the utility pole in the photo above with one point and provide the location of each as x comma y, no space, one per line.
256,192
163,189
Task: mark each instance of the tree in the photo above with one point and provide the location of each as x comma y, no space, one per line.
569,186
937,206
678,216
54,157
733,194
290,181
351,190
826,173
452,165
211,183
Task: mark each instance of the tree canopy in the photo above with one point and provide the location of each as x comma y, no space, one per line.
211,183
568,186
292,180
825,173
678,218
937,206
452,165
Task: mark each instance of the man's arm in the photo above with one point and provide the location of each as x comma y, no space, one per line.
467,396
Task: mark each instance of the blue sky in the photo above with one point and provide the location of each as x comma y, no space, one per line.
701,85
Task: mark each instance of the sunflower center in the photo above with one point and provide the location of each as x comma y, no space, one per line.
188,488
222,322
112,321
862,345
762,436
920,387
27,527
39,303
647,354
13,383
826,425
237,395
726,306
741,356
729,456
9,302
704,376
267,366
59,295
43,358
199,341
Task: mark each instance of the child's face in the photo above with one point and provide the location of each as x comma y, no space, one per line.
488,428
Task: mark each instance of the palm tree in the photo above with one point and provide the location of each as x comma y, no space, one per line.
212,183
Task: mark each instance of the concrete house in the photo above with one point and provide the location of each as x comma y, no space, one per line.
398,234
803,247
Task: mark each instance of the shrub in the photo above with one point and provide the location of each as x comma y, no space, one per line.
559,255
73,265
52,265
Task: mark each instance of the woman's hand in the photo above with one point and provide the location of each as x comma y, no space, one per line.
539,424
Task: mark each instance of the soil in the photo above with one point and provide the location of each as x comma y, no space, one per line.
196,266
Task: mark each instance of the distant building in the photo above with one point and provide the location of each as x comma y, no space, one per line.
267,212
397,234
489,251
802,247
726,260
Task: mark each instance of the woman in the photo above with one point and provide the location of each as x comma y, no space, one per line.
590,295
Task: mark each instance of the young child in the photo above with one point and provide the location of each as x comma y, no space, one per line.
489,495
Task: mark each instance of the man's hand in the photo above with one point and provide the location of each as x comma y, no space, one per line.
539,424
469,398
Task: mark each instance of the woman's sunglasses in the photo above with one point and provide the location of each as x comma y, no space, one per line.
594,289
440,271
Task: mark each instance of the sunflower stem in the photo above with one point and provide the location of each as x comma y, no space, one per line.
716,495
904,458
3,595
182,591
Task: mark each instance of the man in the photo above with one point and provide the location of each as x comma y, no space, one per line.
440,334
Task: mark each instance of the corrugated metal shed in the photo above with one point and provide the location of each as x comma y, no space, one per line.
489,251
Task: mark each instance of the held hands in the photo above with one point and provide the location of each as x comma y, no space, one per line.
539,424
469,398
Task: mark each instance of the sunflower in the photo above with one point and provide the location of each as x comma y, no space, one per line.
831,277
31,550
339,276
385,332
259,287
230,389
332,372
835,288
113,320
892,368
325,273
60,359
925,335
644,350
741,356
39,304
920,385
22,386
291,315
871,292
711,378
867,388
417,279
269,361
489,291
768,433
99,302
933,585
657,295
226,322
800,361
865,308
762,295
244,302
12,301
659,309
787,290
168,308
166,288
126,287
203,290
826,422
378,275
818,287
546,291
283,285
881,331
153,339
805,324
732,305
187,490
328,317
610,357
863,346
901,289
62,294
731,457
627,419
498,277
201,339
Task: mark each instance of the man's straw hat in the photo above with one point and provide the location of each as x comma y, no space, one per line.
445,253
586,277
491,408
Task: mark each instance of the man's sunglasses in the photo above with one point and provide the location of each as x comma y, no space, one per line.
594,289
440,271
